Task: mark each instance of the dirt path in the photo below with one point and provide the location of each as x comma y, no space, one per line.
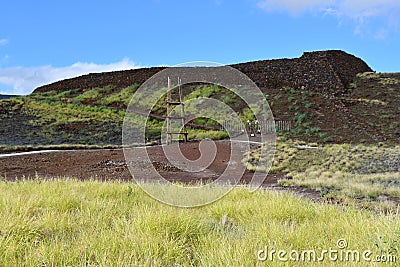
109,164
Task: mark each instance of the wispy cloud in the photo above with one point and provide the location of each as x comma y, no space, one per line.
360,12
23,80
3,41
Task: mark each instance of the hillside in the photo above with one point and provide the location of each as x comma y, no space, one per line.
328,96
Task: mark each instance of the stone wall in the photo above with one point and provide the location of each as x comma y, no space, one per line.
330,70
120,79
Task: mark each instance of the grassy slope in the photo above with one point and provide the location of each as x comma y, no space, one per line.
367,113
92,223
76,117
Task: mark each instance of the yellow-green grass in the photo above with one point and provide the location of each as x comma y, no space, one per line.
92,223
195,134
340,171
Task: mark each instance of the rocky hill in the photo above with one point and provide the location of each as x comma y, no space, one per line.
331,70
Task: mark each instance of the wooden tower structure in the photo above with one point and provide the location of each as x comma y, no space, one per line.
175,120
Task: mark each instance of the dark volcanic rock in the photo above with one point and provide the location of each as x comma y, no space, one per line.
330,70
120,79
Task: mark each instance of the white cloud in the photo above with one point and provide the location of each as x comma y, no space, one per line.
358,11
23,80
3,41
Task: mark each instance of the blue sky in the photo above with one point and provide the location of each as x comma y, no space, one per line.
44,41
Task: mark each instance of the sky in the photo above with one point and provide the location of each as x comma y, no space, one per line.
44,41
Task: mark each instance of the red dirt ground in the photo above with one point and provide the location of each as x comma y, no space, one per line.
111,165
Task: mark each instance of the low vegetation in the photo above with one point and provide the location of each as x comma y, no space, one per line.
340,172
93,223
83,118
207,134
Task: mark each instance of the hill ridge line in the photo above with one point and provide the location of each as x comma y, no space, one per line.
330,70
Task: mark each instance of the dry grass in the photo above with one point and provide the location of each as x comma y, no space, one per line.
366,173
92,223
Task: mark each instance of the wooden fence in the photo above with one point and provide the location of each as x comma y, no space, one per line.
256,127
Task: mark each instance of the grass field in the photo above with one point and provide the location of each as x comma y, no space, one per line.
366,174
91,223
